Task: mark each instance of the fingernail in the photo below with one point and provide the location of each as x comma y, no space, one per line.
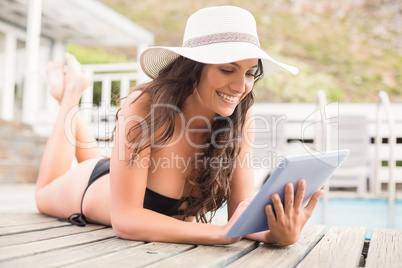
322,192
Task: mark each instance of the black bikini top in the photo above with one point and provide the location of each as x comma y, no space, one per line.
162,204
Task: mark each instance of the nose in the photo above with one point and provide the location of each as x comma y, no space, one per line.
238,84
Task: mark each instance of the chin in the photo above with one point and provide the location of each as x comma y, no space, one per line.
225,113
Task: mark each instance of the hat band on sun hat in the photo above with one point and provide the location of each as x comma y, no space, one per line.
221,37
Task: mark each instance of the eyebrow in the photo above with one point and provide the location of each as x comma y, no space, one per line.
237,65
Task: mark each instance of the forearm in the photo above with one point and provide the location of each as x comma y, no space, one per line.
146,225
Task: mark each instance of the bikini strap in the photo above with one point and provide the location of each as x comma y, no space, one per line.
78,218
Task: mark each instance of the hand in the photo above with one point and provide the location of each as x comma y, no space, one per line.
285,229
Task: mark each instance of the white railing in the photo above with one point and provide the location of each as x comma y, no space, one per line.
384,103
323,144
125,73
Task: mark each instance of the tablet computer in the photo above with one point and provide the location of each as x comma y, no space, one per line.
315,169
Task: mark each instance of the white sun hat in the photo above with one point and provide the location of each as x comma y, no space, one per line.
215,35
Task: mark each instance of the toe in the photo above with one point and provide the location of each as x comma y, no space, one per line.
72,62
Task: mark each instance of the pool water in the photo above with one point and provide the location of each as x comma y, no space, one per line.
370,213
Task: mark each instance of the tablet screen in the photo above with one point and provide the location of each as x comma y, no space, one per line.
315,169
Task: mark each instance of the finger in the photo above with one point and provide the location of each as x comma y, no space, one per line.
289,198
301,189
313,201
276,200
270,215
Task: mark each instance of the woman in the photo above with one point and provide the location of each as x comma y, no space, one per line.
177,142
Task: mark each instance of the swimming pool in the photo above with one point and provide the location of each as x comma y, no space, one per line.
370,213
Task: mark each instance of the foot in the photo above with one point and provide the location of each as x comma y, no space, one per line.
55,79
75,80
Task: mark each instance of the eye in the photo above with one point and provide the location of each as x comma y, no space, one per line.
251,74
225,71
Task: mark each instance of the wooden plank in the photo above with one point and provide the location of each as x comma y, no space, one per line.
340,247
32,227
275,256
17,198
137,256
70,255
209,256
14,219
9,192
15,239
21,189
385,249
55,243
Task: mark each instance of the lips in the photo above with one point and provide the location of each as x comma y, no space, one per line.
227,97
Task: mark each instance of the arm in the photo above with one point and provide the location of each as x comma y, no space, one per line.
242,183
127,188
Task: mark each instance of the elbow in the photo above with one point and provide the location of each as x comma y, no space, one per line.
122,231
131,231
132,234
118,232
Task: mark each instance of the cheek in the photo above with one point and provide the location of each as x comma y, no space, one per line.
212,83
215,79
249,87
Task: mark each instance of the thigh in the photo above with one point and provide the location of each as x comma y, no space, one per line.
62,197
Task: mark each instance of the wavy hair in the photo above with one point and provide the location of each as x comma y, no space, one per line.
171,88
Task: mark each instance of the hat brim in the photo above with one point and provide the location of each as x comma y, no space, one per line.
154,59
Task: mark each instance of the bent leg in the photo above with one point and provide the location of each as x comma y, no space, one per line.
59,189
61,145
87,145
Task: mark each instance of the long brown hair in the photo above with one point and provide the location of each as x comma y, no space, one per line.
170,88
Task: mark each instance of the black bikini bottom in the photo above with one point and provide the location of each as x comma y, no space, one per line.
152,200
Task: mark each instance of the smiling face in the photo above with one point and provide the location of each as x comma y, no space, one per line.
223,86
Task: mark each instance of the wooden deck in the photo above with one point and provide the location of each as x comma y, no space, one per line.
29,239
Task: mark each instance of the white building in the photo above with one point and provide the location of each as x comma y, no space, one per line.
32,32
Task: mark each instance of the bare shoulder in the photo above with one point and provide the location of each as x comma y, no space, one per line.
136,103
